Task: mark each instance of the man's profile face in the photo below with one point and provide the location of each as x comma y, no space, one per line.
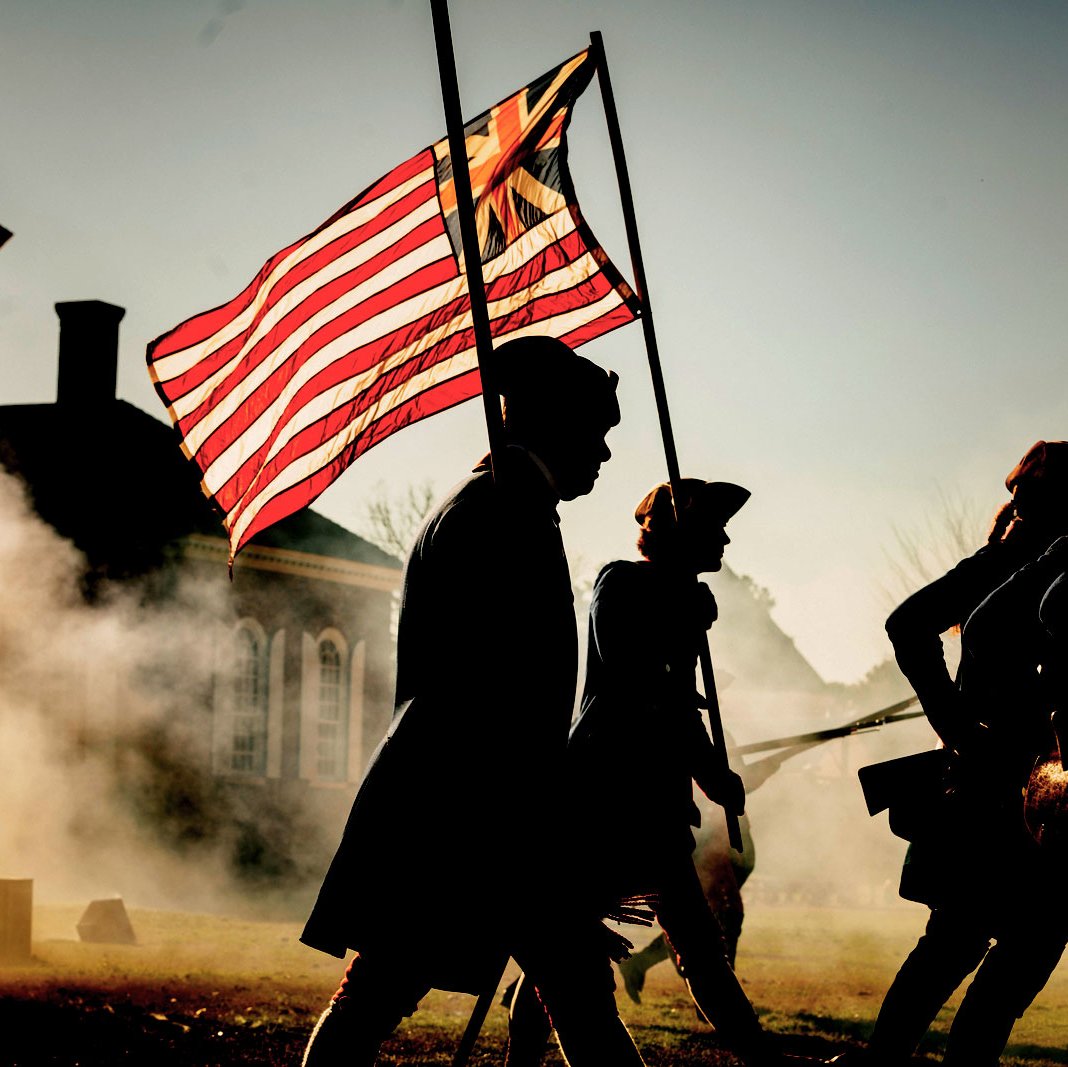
710,551
575,453
705,539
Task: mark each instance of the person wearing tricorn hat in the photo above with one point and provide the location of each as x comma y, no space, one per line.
723,870
486,672
647,618
970,860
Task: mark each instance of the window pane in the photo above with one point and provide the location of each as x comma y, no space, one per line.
248,733
331,733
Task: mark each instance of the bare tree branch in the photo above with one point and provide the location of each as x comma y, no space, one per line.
393,521
953,529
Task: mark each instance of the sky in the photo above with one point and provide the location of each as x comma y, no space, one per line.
852,216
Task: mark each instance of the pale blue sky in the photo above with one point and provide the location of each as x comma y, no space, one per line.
853,216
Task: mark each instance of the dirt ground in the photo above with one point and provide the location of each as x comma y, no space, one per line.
203,990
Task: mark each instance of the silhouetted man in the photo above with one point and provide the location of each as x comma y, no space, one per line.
970,859
647,622
441,873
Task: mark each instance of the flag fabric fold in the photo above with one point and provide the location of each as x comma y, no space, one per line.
364,326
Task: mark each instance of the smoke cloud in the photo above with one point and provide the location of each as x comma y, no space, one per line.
815,842
105,764
105,769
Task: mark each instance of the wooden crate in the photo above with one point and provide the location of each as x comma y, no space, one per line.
16,919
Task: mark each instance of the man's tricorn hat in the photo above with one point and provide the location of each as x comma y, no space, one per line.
541,371
1045,463
716,501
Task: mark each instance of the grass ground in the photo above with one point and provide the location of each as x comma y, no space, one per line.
202,990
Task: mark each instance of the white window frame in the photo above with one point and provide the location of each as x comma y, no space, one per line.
227,710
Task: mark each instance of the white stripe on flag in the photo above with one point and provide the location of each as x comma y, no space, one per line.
308,464
330,271
455,365
180,362
229,462
365,332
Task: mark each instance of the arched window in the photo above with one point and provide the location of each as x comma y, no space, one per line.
248,731
332,729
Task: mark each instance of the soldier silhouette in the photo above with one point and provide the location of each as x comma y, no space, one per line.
1053,614
646,618
1046,801
486,672
970,860
722,872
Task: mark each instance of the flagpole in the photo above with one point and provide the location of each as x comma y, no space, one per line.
491,405
465,214
715,720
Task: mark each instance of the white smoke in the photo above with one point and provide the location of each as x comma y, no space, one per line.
105,783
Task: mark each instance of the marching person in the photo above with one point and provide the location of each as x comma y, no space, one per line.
486,672
1053,614
721,869
1046,799
646,619
972,864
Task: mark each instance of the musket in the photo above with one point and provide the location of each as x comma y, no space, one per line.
894,713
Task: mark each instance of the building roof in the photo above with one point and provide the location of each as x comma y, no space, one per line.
115,482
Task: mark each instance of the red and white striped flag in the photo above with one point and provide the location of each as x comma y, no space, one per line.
364,326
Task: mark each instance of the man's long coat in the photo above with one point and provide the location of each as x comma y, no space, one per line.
640,697
971,847
449,828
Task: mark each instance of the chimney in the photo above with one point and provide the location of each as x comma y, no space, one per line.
88,351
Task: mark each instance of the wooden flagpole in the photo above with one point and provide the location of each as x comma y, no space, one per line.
465,213
715,720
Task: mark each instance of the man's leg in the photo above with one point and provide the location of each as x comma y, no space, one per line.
953,945
529,1028
697,939
573,976
1014,972
634,967
730,919
375,994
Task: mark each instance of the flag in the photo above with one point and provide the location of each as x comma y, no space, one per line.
364,326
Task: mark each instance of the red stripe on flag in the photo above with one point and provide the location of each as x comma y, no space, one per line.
181,384
268,392
305,440
312,305
429,402
234,367
541,309
447,395
251,474
618,316
531,271
553,257
199,328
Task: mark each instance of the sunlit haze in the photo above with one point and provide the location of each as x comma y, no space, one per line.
852,215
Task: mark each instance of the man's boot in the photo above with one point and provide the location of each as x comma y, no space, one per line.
632,970
337,1042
